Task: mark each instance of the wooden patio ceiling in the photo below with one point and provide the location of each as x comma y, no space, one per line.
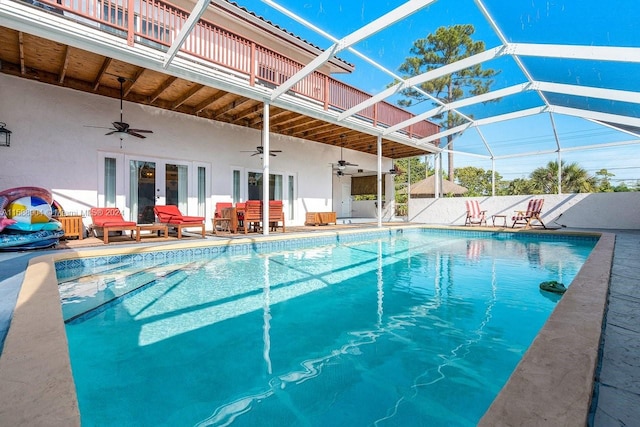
35,58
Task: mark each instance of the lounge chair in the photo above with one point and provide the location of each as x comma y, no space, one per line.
110,219
171,216
474,214
534,208
276,215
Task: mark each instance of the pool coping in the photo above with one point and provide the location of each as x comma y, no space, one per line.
547,387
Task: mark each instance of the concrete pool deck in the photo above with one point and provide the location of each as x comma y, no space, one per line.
36,387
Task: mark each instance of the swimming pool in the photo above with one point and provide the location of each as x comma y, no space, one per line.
419,328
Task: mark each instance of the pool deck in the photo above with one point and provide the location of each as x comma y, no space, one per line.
616,400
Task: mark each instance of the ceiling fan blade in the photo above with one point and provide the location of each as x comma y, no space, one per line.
98,127
112,132
121,126
272,155
275,151
132,133
140,131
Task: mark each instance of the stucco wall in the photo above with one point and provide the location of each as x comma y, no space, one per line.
53,146
598,210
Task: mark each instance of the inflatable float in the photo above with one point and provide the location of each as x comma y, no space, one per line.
553,286
26,219
18,241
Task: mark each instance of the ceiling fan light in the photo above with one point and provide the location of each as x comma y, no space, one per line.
342,167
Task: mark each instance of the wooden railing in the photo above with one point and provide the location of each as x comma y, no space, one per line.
156,23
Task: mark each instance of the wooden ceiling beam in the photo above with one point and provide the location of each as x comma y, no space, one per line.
65,65
133,80
103,70
237,103
188,94
284,119
248,112
23,69
204,104
308,126
294,121
218,112
164,86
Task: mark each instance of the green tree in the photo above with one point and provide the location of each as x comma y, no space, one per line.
414,168
603,178
621,188
519,186
445,46
574,179
476,180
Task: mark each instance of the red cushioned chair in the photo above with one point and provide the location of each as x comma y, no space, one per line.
110,219
171,216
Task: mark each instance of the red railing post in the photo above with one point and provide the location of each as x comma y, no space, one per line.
252,66
130,29
326,92
375,114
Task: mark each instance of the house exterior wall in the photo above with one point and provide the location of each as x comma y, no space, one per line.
56,145
584,210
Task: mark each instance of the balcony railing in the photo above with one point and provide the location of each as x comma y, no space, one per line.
156,24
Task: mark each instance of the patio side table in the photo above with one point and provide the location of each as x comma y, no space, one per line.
504,219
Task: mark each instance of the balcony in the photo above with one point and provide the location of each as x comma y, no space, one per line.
155,24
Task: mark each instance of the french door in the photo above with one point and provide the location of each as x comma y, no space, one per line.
153,181
136,184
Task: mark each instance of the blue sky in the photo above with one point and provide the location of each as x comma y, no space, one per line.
587,22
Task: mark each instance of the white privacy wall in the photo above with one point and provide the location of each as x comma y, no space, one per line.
597,210
52,146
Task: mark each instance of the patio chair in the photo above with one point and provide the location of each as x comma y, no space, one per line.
221,217
110,219
474,214
252,215
276,215
240,207
171,216
534,208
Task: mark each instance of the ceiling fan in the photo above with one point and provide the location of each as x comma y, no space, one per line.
260,151
342,164
395,170
122,129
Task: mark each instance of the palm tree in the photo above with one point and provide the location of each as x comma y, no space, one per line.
446,46
574,179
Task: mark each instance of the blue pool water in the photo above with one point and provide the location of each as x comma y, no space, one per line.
420,329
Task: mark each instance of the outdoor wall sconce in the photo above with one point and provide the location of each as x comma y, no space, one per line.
5,136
